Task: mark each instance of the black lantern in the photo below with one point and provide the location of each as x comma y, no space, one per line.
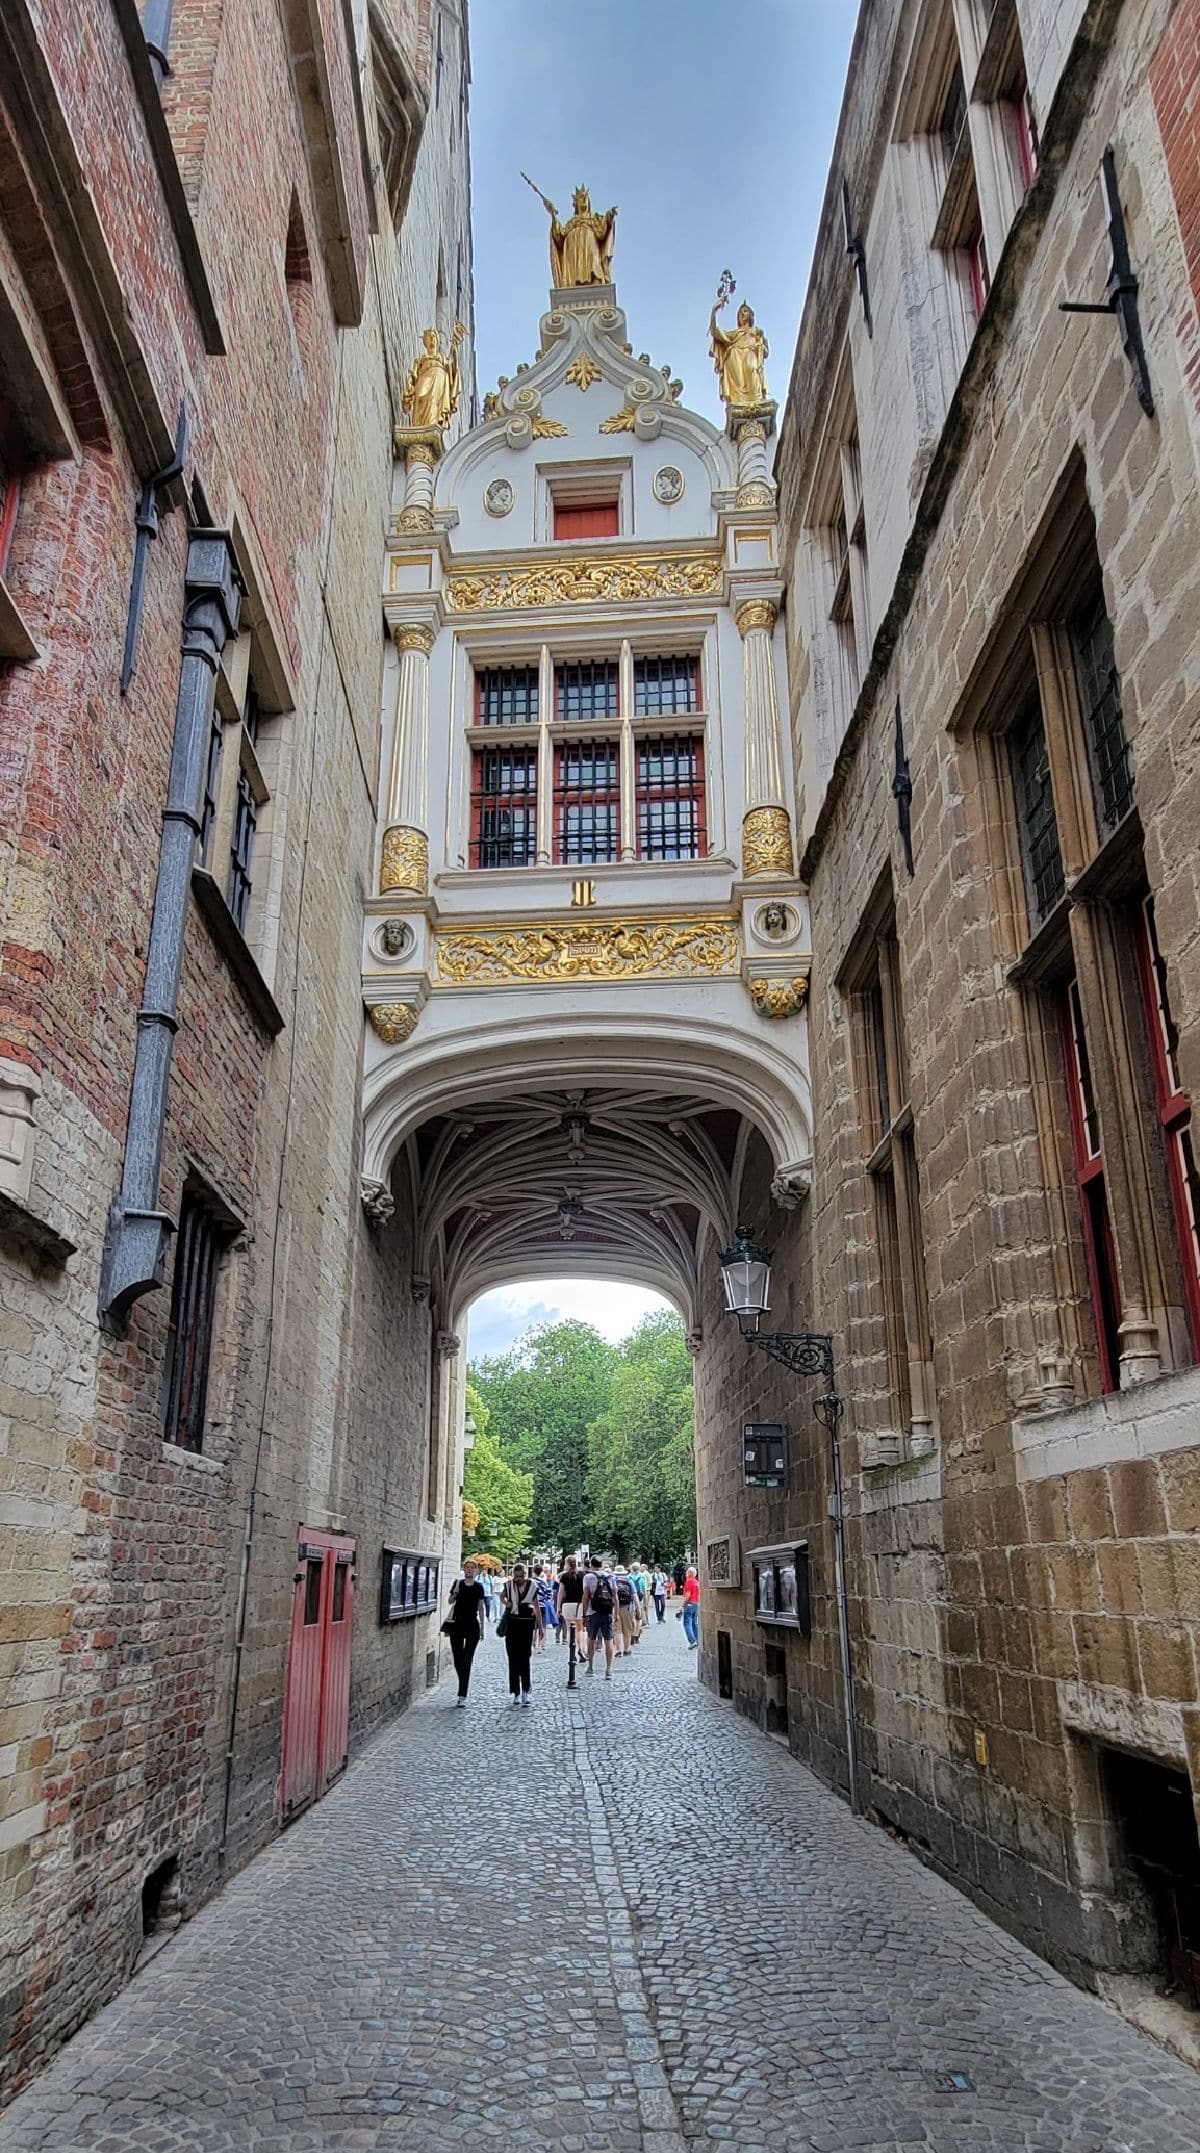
746,1277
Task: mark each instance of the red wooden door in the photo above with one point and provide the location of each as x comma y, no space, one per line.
316,1712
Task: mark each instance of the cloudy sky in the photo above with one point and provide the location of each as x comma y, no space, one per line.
709,124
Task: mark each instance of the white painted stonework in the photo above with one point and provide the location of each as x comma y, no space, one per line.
475,580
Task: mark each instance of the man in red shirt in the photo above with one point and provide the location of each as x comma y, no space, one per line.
691,1609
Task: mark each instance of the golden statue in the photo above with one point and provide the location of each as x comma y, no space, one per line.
740,355
434,385
581,250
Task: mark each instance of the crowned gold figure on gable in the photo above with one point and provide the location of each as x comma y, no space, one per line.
581,250
434,383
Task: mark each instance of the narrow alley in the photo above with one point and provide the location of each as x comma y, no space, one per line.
625,1922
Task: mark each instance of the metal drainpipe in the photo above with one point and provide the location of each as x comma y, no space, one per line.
139,1232
156,29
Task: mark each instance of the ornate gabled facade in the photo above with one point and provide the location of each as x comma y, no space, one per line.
585,956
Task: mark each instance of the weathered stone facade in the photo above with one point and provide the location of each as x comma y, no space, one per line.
230,251
962,479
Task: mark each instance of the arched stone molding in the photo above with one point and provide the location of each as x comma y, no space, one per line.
566,1051
570,1263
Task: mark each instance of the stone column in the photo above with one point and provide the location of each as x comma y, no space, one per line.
754,489
404,861
766,824
420,447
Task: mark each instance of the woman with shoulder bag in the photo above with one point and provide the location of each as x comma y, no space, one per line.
522,1624
464,1625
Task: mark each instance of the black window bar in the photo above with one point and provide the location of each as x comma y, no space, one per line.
665,687
189,1334
241,851
504,808
208,813
953,116
586,692
506,695
1100,696
1038,828
587,802
670,798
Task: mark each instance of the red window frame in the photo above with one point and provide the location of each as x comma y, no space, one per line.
586,519
974,248
13,461
1099,1252
647,792
1174,1112
1027,134
576,850
493,800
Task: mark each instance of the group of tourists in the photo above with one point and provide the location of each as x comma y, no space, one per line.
589,1604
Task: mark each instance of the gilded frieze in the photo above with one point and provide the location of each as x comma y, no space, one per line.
588,950
582,582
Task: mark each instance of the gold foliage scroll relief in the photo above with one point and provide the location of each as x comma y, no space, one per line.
596,950
583,582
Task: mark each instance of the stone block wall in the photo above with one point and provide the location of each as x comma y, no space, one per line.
1021,1599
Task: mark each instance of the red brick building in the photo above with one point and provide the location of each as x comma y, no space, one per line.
203,304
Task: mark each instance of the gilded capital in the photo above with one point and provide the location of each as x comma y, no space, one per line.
414,518
756,493
393,1021
778,997
767,842
413,635
756,613
404,864
422,452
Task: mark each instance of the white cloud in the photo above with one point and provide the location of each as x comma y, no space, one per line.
497,1319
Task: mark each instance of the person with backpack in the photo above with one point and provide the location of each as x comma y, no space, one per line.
599,1603
626,1608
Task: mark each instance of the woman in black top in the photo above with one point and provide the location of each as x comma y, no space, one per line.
570,1599
522,1623
467,1601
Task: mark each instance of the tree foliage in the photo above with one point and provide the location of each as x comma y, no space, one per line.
495,1494
605,1432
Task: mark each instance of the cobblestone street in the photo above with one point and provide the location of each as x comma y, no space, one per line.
622,1921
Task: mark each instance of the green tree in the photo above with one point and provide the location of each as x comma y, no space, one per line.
641,1469
500,1497
542,1397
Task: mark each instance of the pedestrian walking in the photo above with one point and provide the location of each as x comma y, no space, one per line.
626,1608
660,1594
544,1584
691,1609
570,1602
522,1625
680,1576
599,1607
464,1626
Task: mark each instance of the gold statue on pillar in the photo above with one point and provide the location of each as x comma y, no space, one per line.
740,355
434,384
581,250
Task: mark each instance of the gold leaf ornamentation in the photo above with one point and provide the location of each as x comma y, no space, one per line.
621,422
548,429
778,997
393,1022
404,864
413,635
756,613
583,371
414,518
756,493
767,842
580,582
587,949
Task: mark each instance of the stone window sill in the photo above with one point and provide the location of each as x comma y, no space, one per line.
1141,1422
194,1460
236,951
32,1226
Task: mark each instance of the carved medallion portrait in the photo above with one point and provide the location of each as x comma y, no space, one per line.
668,484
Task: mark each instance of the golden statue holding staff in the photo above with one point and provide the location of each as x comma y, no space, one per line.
434,384
740,355
581,250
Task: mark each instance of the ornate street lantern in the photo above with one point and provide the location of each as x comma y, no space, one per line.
746,1277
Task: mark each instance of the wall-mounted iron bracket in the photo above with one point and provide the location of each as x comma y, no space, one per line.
1122,287
857,253
902,792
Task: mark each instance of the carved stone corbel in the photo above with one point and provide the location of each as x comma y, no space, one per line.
376,1198
791,1184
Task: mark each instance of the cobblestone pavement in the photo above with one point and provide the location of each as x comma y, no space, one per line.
619,1921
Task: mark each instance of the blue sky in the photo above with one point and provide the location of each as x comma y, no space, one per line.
709,125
